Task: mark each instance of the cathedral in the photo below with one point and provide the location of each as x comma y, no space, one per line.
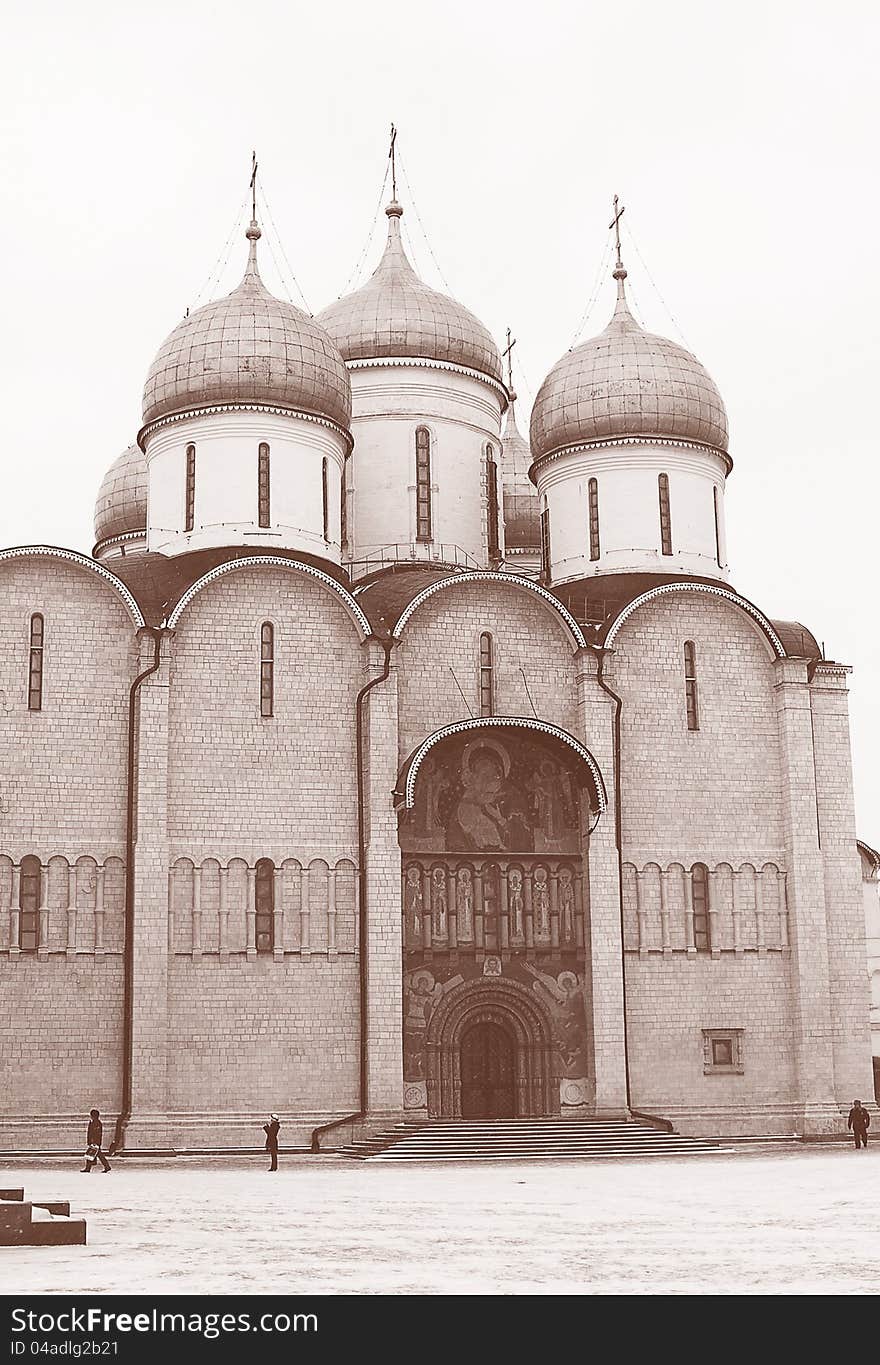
384,762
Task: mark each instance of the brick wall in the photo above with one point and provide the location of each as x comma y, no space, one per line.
442,638
670,1001
62,798
712,794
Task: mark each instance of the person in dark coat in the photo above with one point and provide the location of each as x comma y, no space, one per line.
859,1122
94,1138
271,1131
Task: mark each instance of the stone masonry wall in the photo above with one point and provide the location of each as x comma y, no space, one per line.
62,798
442,639
670,1001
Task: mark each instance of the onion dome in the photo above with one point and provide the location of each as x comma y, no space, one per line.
522,516
121,506
627,383
397,314
248,348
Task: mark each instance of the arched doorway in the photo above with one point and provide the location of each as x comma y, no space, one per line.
491,1053
494,838
487,1064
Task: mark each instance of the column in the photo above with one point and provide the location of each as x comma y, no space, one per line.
383,949
760,912
606,962
844,905
331,913
278,912
148,1126
223,926
15,912
813,1048
690,943
641,915
714,912
665,939
43,943
99,910
71,912
197,913
251,912
305,912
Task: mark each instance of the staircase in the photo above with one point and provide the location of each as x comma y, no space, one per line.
524,1140
38,1225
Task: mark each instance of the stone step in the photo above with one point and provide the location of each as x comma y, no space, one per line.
45,1223
523,1139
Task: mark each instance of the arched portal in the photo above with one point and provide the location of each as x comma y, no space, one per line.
495,903
491,1054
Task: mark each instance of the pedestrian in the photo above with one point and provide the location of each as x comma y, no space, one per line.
271,1131
94,1138
859,1121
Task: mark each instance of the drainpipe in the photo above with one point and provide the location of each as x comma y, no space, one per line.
118,1142
387,644
618,840
653,1119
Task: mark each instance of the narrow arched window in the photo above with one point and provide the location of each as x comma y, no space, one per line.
343,510
423,484
700,884
665,518
29,905
325,498
263,505
190,488
487,681
690,685
545,545
264,928
593,496
267,669
717,499
492,535
35,666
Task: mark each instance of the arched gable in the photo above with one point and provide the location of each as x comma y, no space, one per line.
406,783
490,576
665,589
277,562
82,562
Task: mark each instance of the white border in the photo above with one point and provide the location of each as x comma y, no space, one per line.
697,587
491,576
74,557
520,722
277,561
424,363
209,409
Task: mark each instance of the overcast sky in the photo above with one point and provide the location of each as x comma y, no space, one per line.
741,138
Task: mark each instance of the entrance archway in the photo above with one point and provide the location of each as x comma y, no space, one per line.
490,1047
487,1065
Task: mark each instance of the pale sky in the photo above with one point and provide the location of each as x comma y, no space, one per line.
741,138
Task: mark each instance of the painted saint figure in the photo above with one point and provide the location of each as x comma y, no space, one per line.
464,904
439,903
566,903
414,904
515,902
541,903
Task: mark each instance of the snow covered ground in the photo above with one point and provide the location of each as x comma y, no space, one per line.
778,1222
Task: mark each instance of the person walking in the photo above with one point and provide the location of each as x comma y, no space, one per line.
94,1138
859,1122
271,1131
